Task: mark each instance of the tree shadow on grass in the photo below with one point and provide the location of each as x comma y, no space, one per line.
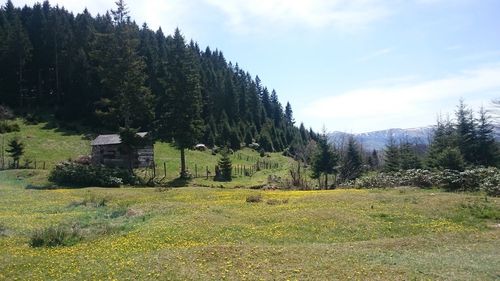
178,182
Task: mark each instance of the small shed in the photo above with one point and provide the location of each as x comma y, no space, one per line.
108,150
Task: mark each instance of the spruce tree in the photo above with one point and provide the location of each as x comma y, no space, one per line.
487,148
351,163
225,167
466,132
324,160
289,114
128,102
391,156
408,156
180,104
15,150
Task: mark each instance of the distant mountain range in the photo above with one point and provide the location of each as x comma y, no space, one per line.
378,139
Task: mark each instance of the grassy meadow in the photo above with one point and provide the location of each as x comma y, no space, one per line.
210,232
201,233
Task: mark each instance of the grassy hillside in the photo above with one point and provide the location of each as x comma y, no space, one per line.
49,145
203,233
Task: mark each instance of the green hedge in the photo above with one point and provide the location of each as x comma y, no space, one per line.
78,175
486,179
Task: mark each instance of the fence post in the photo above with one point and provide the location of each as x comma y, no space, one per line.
165,169
43,165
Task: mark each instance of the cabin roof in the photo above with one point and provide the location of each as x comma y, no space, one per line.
111,139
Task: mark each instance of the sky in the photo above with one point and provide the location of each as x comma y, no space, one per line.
345,65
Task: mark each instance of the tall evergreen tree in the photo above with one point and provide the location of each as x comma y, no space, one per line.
352,163
128,102
181,103
408,155
487,153
15,150
466,132
324,160
289,114
391,155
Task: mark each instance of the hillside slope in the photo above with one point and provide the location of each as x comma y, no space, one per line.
48,146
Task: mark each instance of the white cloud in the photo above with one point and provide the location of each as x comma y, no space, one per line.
407,104
244,15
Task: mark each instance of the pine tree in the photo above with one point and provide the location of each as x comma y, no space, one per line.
324,160
487,148
225,167
351,163
15,150
408,156
289,114
391,157
466,132
180,105
129,101
444,138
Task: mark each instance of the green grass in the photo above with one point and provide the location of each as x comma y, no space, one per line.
49,145
200,233
52,145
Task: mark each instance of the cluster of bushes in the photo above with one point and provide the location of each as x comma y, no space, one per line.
80,175
487,179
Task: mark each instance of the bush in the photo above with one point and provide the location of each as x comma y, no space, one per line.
8,127
491,185
256,198
74,174
54,236
487,179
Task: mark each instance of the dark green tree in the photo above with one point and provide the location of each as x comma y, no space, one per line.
466,132
225,167
324,160
352,164
391,156
444,137
289,114
408,155
180,104
450,158
127,102
487,153
15,150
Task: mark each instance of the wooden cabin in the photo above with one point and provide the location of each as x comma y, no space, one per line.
109,151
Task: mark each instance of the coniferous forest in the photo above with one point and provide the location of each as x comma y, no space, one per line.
107,72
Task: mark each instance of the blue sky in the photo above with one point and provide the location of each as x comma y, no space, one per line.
349,65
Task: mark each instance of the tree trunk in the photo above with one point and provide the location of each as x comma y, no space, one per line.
183,164
326,180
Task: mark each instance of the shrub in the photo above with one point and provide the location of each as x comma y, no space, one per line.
491,185
54,236
487,179
255,198
8,127
74,174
